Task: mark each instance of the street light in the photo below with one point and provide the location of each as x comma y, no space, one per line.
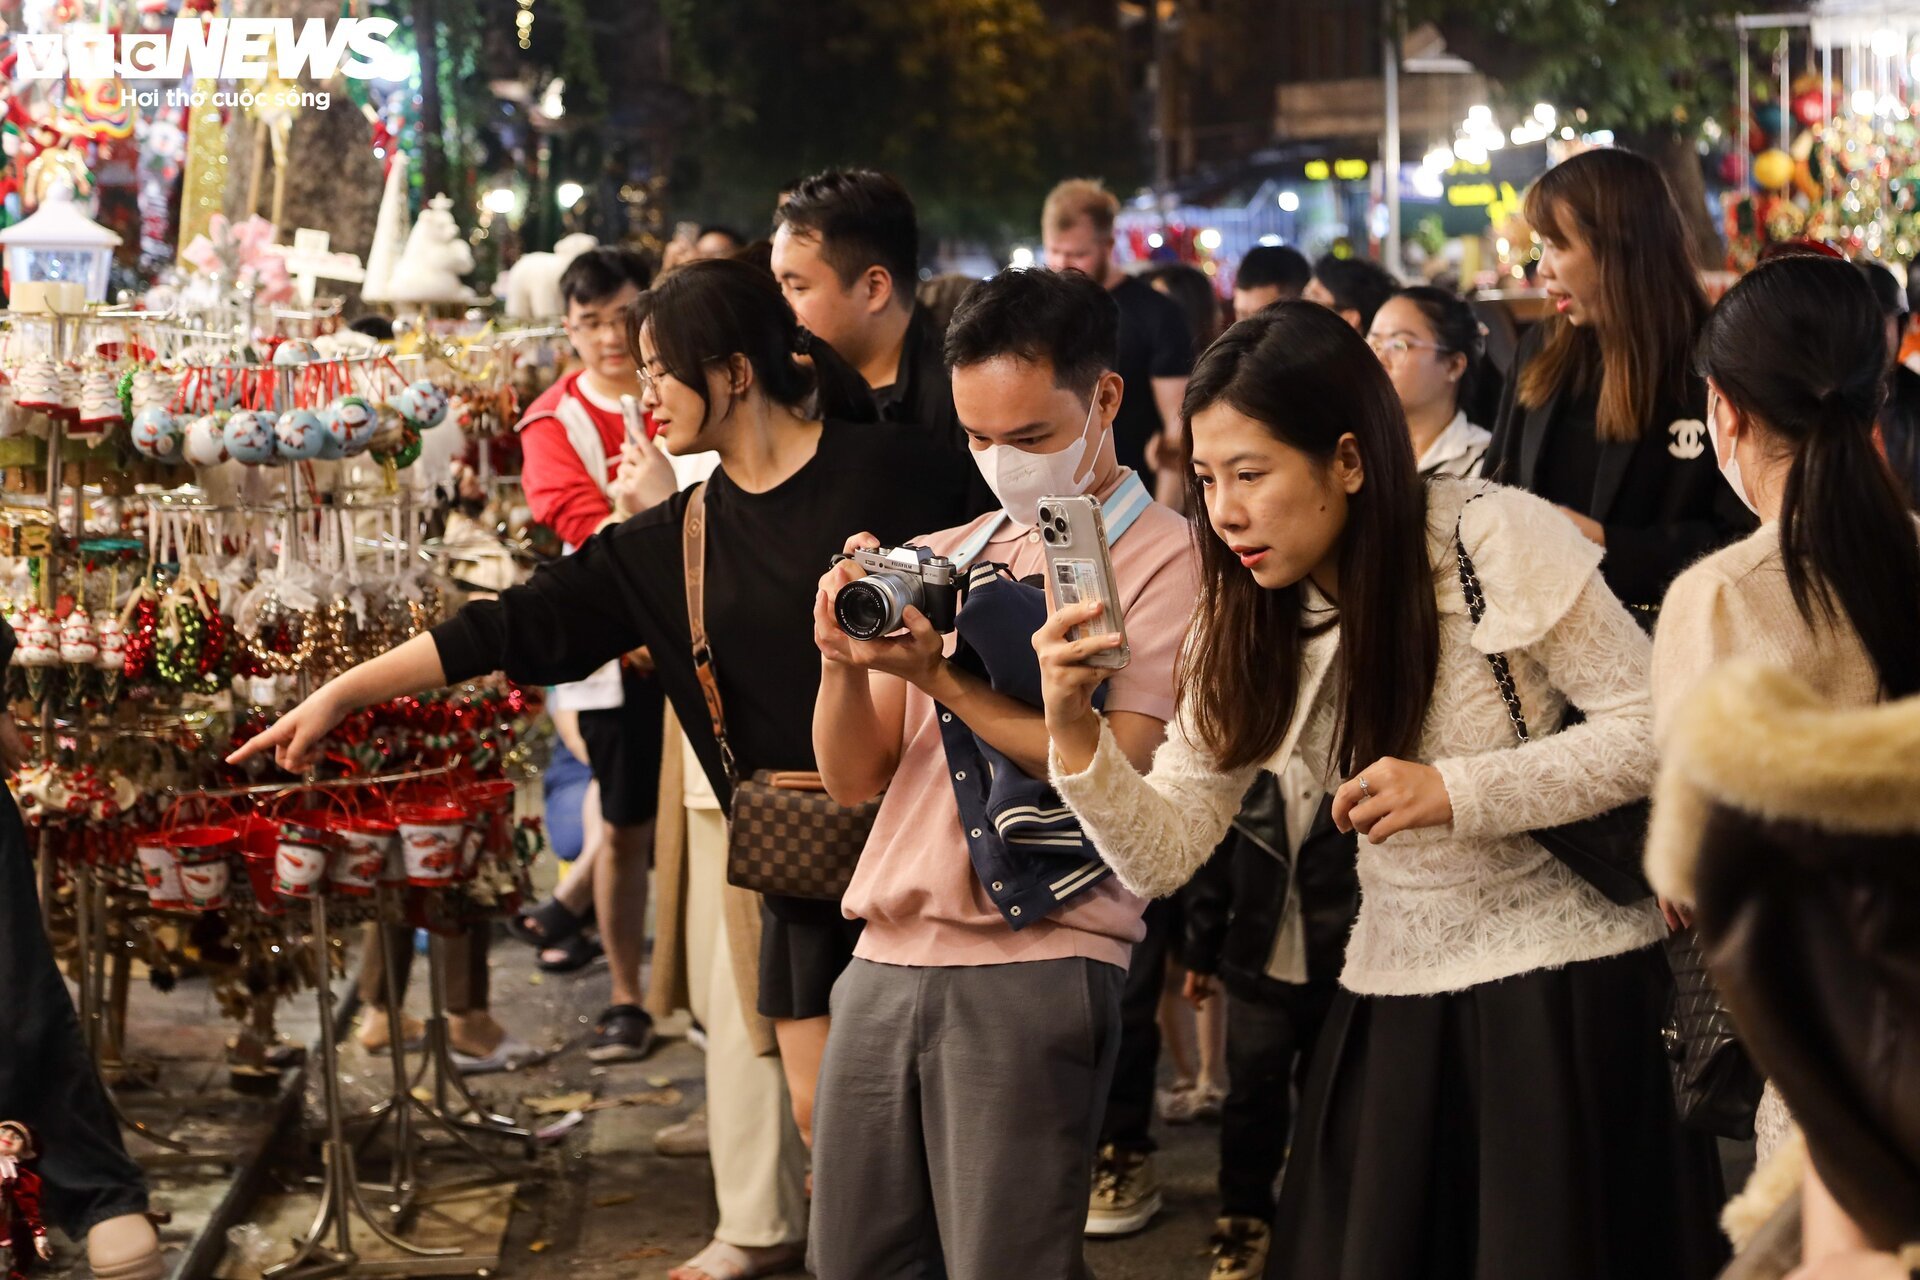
500,200
1290,202
568,194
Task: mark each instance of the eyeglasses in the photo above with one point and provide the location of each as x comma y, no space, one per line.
650,381
1394,347
591,325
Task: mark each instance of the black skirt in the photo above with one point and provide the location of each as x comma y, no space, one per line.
1517,1130
804,948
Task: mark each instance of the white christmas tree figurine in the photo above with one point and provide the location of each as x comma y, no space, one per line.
435,258
389,232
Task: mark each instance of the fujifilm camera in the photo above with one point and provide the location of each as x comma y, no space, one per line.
897,577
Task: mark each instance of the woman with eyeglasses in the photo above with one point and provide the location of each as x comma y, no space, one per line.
1430,342
803,464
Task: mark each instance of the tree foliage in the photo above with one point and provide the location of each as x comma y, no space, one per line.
1636,66
977,105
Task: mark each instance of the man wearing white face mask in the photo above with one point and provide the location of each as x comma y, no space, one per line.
974,1035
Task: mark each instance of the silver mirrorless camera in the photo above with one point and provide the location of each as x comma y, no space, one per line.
897,577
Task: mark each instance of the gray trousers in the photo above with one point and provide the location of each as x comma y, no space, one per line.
956,1119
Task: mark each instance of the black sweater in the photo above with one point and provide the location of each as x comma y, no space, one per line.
1660,498
626,587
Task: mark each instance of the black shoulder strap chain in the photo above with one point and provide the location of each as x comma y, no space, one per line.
1476,607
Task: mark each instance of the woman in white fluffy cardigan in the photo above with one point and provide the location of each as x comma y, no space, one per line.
1490,1098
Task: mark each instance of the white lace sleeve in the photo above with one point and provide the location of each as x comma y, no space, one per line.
1157,830
1597,656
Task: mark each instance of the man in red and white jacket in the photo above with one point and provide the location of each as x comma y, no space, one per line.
572,438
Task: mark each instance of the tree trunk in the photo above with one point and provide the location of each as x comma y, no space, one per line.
433,156
333,181
1680,163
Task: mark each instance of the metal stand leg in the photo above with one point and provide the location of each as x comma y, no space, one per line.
340,1197
445,1075
402,1106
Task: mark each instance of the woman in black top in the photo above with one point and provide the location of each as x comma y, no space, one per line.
720,356
1603,415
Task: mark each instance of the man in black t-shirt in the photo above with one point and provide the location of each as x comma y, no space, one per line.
846,251
1156,346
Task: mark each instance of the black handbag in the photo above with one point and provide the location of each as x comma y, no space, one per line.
1605,850
1716,1087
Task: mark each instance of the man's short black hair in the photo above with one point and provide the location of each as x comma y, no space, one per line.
1356,285
721,229
861,218
598,274
1061,317
1274,266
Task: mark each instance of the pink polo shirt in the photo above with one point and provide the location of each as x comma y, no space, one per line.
915,885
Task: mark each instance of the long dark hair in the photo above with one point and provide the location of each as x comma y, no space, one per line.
1308,378
1900,431
1798,344
1192,288
1650,303
712,310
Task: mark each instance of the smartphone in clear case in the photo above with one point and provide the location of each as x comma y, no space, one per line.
1080,568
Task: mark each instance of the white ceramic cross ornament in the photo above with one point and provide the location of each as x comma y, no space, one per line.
309,262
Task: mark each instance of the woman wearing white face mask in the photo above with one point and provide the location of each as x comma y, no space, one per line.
1829,587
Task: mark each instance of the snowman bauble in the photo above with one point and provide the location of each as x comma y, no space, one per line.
249,437
298,435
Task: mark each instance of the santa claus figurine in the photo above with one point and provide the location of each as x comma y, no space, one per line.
23,1236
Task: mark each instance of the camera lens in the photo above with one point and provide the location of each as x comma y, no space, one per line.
1048,534
872,607
1046,515
1060,523
861,611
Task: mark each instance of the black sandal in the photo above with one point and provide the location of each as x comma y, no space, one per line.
551,924
577,953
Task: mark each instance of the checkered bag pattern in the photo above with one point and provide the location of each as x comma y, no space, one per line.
794,842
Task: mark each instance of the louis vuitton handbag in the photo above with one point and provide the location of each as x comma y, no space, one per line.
785,835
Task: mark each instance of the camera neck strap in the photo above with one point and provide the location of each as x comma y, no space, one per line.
693,542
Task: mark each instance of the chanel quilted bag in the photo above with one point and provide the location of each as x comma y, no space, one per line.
785,835
1715,1085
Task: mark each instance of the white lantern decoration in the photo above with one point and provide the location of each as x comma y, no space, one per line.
59,245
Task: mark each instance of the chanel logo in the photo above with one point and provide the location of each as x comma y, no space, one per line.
1689,439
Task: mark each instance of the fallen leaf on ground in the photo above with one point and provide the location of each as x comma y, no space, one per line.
559,1103
659,1082
658,1098
538,1246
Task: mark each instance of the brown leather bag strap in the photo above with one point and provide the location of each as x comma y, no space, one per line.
693,542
